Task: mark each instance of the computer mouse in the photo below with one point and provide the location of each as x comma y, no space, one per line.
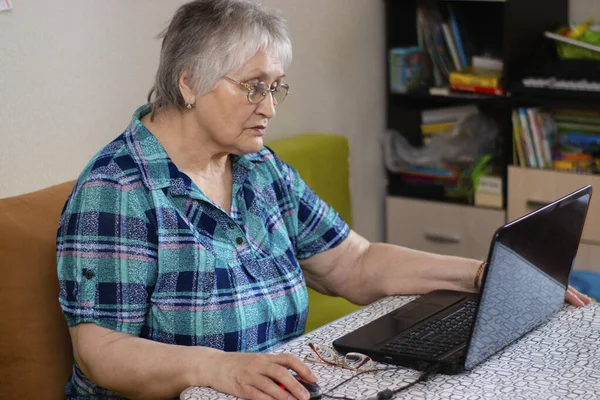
313,389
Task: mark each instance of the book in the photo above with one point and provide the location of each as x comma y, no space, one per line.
452,46
443,51
447,114
484,62
537,134
578,127
546,138
439,91
434,44
477,89
457,36
527,135
428,129
518,140
578,116
479,77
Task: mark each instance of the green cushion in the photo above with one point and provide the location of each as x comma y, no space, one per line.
322,160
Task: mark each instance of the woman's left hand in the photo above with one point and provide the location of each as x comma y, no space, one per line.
575,298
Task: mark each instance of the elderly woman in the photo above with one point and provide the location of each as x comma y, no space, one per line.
186,246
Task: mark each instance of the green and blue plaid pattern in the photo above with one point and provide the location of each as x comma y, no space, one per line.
142,250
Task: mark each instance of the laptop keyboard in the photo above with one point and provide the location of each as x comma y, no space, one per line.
437,337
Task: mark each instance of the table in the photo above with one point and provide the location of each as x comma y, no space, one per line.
559,360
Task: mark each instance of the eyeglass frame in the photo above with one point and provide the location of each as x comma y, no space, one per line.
250,88
336,360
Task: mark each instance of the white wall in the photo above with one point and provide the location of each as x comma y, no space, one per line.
582,10
338,83
72,72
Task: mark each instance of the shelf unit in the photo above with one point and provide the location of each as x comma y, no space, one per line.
514,28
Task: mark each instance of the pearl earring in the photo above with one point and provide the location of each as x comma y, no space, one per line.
189,105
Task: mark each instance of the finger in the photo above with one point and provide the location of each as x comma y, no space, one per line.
580,296
585,299
273,390
572,298
281,375
295,364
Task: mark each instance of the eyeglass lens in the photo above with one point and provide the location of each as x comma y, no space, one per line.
357,360
260,91
350,360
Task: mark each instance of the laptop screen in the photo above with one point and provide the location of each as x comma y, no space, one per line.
528,273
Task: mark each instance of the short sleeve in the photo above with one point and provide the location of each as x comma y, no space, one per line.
106,256
319,226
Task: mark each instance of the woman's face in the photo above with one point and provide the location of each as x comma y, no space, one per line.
232,123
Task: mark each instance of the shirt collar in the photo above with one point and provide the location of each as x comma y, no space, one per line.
157,169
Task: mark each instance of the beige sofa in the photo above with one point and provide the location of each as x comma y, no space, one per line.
35,347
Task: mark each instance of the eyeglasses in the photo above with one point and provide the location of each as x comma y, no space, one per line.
327,356
257,92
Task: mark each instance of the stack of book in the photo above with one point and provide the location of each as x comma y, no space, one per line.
441,120
477,80
578,141
562,139
532,138
443,40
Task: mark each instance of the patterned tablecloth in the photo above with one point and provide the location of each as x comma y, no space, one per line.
559,360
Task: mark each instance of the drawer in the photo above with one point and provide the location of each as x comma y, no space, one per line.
530,189
588,258
441,227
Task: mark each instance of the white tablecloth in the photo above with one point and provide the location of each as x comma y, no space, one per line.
560,360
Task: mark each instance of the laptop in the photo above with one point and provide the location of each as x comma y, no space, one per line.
524,284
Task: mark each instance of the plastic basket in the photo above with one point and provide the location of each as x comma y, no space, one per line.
568,51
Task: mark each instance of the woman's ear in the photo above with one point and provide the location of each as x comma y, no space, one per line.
188,94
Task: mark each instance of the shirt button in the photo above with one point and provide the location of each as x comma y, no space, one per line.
239,240
89,274
231,225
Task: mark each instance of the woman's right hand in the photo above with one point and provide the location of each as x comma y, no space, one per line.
257,376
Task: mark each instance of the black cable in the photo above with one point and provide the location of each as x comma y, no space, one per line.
352,377
386,394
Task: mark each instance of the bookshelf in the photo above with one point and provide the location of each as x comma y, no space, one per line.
511,28
514,30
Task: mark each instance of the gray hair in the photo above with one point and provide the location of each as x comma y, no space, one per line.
208,39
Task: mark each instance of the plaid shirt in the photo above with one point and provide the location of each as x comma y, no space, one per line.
142,250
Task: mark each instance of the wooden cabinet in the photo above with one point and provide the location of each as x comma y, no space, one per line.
530,189
442,228
588,257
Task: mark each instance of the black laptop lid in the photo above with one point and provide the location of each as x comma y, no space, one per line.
528,273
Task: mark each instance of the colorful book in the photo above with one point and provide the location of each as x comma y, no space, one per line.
457,37
578,127
452,46
529,144
477,89
546,139
537,134
480,77
447,114
518,140
430,129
